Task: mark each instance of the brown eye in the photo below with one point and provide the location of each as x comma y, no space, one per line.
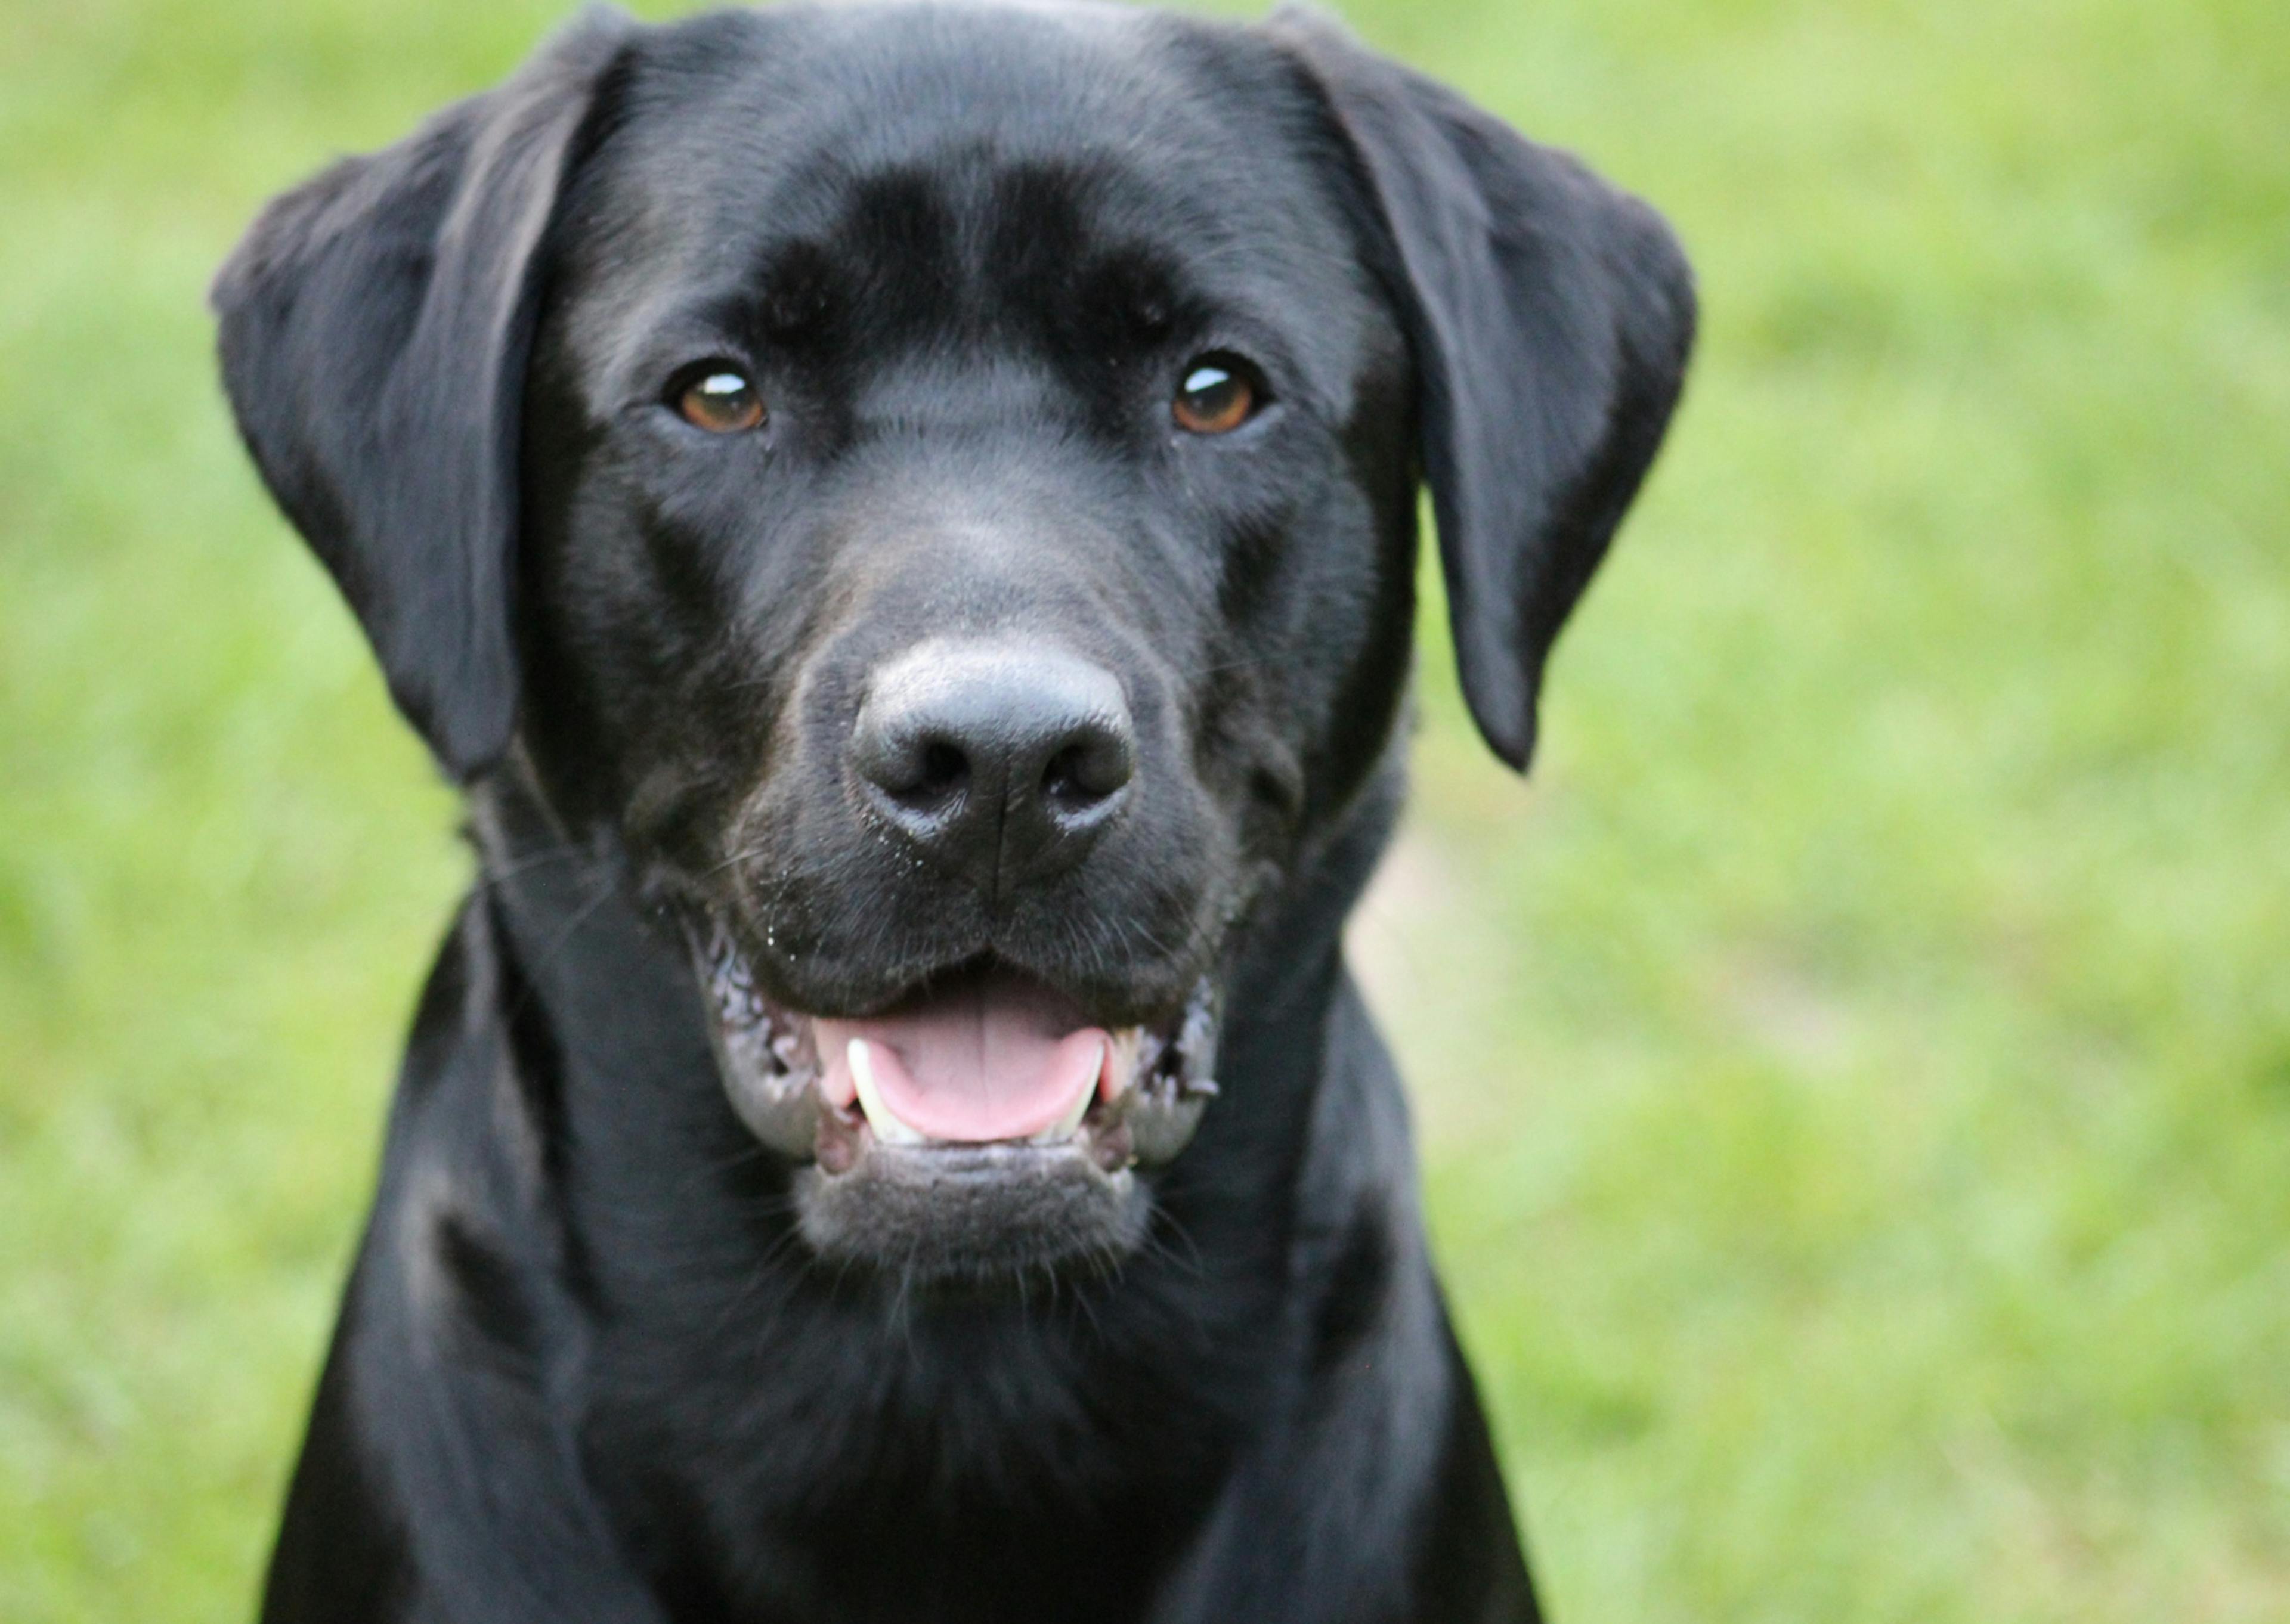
721,401
1216,397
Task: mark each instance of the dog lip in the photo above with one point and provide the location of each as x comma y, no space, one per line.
1145,1099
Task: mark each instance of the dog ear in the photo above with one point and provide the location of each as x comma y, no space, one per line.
1549,316
375,326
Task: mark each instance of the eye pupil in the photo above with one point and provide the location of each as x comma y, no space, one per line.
722,402
1213,399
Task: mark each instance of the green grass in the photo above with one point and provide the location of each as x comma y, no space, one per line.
1856,1074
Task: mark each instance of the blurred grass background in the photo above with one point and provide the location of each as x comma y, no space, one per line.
1854,1075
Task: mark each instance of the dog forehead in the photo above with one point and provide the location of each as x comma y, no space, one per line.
884,83
737,133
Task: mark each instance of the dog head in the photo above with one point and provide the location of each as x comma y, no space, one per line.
937,483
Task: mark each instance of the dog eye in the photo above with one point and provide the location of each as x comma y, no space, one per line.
1218,394
721,401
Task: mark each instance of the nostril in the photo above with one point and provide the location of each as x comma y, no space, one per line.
1085,774
927,777
1062,780
945,770
910,771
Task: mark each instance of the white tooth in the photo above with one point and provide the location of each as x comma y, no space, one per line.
887,1127
1064,1127
1126,1045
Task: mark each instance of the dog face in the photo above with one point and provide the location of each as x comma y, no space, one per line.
936,485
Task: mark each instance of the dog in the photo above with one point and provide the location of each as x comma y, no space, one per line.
902,520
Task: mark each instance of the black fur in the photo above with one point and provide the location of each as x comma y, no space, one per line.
588,1367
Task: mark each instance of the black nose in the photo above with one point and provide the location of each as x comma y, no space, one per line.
1003,761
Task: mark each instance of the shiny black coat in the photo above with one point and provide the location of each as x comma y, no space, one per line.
586,1369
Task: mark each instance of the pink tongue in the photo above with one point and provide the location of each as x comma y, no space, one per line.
984,1058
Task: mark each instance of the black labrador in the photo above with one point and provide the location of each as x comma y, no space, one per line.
903,518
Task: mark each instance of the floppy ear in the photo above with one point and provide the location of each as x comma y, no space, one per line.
375,326
1549,316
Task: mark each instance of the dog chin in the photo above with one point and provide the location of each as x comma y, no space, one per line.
979,1129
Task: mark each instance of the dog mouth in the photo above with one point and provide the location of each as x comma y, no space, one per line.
980,1058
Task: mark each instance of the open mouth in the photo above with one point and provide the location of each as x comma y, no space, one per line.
981,1055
